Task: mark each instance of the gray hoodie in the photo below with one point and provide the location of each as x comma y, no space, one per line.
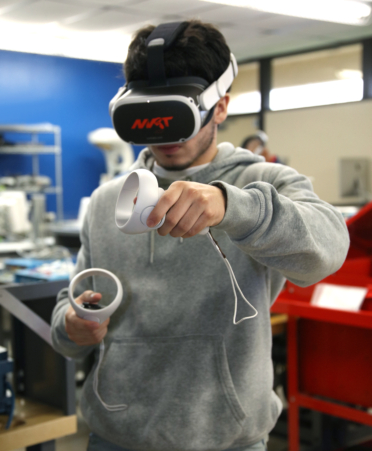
192,380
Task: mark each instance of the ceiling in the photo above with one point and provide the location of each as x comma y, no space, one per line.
249,33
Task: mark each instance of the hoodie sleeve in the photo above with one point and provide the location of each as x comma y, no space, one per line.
280,222
60,340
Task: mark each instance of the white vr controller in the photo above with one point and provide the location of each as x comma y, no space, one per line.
94,312
131,218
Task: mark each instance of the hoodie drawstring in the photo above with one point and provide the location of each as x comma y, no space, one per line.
152,246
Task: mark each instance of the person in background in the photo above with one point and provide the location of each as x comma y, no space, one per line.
192,375
257,143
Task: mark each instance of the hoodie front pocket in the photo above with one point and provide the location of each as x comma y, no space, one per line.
179,393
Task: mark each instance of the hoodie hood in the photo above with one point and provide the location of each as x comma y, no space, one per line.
227,158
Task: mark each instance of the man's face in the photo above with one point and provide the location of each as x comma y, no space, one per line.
198,150
255,146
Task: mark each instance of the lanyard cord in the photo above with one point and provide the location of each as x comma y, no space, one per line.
234,282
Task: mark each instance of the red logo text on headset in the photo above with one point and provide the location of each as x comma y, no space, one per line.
160,122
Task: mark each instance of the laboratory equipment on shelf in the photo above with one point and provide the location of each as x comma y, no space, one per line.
13,143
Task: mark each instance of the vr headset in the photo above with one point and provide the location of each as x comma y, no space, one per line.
166,110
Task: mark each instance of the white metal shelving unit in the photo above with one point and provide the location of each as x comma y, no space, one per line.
35,148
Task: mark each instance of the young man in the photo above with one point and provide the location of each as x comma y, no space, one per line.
192,379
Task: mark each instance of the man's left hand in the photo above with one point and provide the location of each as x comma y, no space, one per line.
189,208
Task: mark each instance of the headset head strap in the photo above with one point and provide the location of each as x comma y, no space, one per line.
161,38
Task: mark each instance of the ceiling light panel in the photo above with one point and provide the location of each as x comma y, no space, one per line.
43,11
222,13
50,39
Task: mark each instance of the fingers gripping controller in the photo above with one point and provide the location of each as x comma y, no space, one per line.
102,313
131,218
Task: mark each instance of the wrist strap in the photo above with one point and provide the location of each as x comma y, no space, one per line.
234,282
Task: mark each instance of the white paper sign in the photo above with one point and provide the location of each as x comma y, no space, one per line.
338,297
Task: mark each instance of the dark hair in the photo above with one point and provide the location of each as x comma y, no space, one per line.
249,139
200,51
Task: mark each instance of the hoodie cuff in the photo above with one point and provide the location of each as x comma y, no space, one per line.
60,340
244,210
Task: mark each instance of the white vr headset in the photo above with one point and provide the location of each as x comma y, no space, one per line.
166,110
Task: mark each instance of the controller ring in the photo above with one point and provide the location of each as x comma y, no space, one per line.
102,314
131,218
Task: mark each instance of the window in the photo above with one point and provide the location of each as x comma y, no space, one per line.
317,78
244,95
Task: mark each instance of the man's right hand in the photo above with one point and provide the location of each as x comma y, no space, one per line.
81,331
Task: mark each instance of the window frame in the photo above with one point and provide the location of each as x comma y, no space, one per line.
266,72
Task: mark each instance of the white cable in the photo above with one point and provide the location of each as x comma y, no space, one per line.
233,279
95,383
233,282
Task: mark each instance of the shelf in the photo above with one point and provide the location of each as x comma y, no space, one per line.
29,149
35,190
278,323
10,247
34,128
34,146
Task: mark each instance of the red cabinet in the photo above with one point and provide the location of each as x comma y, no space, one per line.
329,351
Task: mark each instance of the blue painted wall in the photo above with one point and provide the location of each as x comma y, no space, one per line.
71,93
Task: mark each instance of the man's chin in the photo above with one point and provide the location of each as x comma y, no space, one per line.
171,162
173,167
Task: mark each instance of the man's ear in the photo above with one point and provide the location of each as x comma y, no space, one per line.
220,110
